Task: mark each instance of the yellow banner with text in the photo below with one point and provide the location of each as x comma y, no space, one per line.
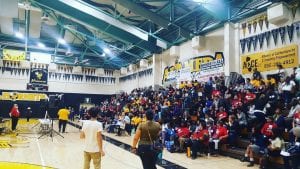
267,61
13,55
23,96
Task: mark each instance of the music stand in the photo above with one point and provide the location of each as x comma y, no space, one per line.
50,132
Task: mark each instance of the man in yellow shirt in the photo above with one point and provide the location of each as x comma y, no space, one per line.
63,116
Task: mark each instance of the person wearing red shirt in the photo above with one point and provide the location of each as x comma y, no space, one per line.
249,97
215,93
14,114
222,114
183,134
296,125
236,102
200,139
296,119
220,136
268,126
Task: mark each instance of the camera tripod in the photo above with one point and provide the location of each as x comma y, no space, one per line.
48,130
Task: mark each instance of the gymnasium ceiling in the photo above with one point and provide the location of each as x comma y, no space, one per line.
114,33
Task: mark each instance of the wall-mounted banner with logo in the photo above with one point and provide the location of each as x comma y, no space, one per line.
267,61
198,68
13,55
38,75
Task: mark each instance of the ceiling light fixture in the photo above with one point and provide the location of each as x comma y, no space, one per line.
61,41
106,50
19,35
201,1
41,45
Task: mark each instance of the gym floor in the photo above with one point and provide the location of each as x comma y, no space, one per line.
24,150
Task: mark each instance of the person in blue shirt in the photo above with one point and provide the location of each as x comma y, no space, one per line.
257,145
279,118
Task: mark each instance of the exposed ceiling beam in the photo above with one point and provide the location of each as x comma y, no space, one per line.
216,8
27,22
94,18
244,5
155,18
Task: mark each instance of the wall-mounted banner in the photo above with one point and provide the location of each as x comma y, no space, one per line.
13,55
38,75
23,96
198,68
37,57
267,61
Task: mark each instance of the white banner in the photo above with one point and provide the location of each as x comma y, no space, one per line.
185,74
37,57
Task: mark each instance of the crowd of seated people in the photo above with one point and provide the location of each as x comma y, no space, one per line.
205,115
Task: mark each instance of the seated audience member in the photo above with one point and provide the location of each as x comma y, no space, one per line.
135,121
288,89
183,133
127,123
295,125
220,136
248,85
281,72
236,102
257,144
270,81
169,133
221,115
268,127
200,139
169,137
241,118
279,118
276,143
120,125
293,151
233,128
256,74
249,97
294,107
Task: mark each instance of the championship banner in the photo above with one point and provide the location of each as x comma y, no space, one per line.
261,40
243,45
254,41
194,69
261,22
38,75
13,55
267,36
275,35
290,30
267,61
282,34
254,25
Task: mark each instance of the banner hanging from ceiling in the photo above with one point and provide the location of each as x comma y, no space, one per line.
267,61
38,76
199,68
13,55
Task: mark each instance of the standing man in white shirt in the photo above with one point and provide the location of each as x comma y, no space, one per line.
91,133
